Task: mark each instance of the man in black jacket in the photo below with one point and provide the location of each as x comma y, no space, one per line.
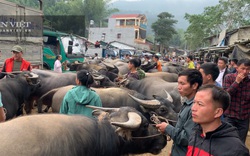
222,65
211,135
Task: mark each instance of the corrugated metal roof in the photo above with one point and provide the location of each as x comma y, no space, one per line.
121,46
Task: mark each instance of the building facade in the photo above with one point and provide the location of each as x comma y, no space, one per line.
125,28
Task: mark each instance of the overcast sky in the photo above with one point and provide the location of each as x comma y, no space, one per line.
176,7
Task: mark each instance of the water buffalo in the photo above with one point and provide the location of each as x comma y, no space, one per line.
16,90
118,97
173,67
103,68
101,81
169,77
51,80
116,132
122,66
148,66
150,86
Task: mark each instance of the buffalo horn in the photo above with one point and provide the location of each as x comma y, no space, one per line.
33,76
108,64
169,98
93,71
134,121
98,77
153,104
16,72
103,108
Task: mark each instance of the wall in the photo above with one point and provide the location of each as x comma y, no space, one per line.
127,35
241,34
244,33
233,38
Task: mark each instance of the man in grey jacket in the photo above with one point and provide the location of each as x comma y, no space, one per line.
189,82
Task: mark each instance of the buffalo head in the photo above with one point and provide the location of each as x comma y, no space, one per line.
137,135
102,81
161,106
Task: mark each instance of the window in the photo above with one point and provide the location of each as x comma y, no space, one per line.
119,35
130,22
122,22
103,36
136,34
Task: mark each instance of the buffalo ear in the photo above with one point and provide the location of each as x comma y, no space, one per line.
100,115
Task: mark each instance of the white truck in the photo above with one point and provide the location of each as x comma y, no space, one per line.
23,26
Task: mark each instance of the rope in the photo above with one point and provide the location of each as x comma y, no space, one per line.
149,136
155,119
166,119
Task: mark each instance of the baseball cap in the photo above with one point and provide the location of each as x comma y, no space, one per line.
17,48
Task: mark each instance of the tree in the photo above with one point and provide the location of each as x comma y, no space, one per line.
97,10
228,14
178,39
71,15
203,25
236,13
164,28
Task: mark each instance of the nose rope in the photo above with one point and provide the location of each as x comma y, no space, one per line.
166,119
155,119
158,118
149,136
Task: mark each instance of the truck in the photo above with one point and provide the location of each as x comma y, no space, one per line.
71,47
20,25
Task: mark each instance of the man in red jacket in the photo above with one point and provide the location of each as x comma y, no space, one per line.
213,137
15,63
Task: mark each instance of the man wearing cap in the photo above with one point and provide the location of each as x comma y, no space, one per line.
15,63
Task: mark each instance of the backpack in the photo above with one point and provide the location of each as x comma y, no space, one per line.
141,73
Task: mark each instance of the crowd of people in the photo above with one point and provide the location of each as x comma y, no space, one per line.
217,107
214,120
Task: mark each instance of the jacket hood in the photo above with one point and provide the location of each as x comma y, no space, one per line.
225,130
82,95
224,136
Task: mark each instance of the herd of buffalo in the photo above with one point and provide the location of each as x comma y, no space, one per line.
123,124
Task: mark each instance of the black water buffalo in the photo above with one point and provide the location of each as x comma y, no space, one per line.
51,80
169,77
173,68
148,66
122,66
150,86
15,90
101,81
103,68
119,132
118,97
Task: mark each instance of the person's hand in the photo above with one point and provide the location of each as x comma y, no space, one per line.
239,77
162,126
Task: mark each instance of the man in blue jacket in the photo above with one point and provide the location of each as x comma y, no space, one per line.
189,82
